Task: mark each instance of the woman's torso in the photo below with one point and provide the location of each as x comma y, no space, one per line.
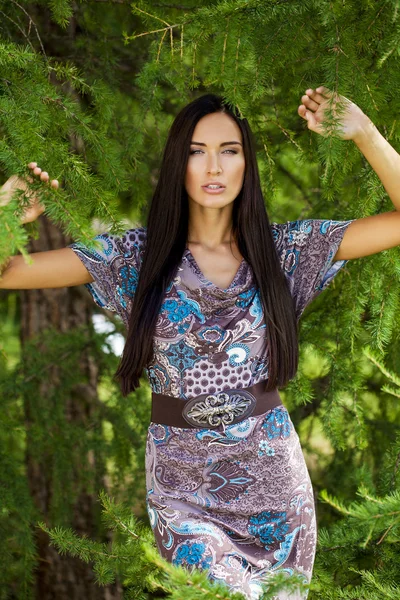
208,338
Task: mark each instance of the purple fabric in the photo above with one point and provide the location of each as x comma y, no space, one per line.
238,502
207,338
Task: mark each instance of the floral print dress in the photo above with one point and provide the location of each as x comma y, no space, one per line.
236,500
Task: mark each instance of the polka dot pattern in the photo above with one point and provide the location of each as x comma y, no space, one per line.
208,380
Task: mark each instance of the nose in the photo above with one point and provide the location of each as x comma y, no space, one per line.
213,166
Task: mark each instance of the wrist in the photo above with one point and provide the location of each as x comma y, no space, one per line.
365,132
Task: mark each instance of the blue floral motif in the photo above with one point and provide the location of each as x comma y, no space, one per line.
158,378
105,252
298,235
275,231
260,368
192,554
245,298
238,354
195,528
182,356
183,327
175,311
277,423
160,433
179,309
231,436
265,448
269,527
129,281
285,548
256,309
194,306
299,231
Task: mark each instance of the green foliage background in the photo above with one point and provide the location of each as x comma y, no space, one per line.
108,77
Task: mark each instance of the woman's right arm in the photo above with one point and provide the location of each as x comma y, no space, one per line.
51,269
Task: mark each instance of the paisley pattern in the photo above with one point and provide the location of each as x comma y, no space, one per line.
218,503
237,499
207,338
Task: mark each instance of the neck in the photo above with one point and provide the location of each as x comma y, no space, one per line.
210,227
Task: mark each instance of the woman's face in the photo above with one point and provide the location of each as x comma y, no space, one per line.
216,156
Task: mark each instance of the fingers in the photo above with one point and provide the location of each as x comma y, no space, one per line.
305,114
44,176
302,111
323,91
312,100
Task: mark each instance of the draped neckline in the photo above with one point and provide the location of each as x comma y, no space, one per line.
236,281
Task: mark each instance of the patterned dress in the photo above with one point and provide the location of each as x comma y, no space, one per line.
236,500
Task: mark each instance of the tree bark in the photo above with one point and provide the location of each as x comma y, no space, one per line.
62,576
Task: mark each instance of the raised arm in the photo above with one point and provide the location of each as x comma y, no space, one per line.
51,269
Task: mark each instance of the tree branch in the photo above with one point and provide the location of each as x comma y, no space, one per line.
31,22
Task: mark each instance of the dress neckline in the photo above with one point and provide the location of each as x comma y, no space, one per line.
206,281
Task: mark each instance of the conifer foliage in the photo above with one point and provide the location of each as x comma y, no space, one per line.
105,78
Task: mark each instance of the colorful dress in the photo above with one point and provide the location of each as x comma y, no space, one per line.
236,500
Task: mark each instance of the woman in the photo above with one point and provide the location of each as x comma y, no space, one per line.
218,292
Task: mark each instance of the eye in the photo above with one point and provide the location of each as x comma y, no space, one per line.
228,150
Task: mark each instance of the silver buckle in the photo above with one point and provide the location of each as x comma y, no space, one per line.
225,408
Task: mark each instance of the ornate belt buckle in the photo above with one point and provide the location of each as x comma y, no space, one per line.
224,408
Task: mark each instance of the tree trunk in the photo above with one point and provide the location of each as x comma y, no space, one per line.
62,577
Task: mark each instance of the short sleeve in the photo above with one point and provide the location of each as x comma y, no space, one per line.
306,249
114,266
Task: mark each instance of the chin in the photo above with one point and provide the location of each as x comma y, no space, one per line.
212,201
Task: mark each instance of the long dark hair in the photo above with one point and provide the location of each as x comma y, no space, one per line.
167,231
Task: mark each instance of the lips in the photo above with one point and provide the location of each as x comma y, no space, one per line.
213,183
213,187
219,189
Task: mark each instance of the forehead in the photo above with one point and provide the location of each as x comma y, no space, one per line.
216,128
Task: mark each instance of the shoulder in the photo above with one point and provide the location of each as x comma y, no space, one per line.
107,247
302,231
291,231
278,232
284,234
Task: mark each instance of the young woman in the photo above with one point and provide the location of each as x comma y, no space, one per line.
218,291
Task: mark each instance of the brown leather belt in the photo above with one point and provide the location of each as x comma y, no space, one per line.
209,411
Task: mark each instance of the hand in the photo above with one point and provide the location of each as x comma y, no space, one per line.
35,209
313,109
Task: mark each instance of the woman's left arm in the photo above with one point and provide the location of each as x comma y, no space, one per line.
375,233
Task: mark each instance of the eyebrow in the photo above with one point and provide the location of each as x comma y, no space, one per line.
223,143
